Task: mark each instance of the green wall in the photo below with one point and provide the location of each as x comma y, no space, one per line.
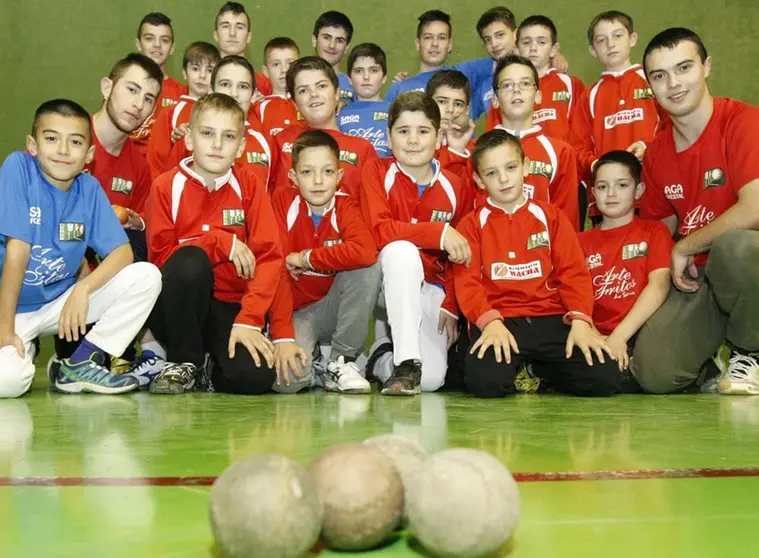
61,48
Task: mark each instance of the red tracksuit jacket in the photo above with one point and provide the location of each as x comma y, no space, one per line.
160,144
171,91
341,242
183,212
276,114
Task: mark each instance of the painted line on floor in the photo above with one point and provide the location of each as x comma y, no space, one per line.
563,476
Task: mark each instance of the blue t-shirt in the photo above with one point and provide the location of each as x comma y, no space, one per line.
58,225
482,98
368,120
347,93
477,71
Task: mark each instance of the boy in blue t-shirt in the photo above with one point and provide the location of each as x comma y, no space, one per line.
51,213
367,116
332,36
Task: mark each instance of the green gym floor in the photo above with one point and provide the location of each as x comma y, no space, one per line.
630,476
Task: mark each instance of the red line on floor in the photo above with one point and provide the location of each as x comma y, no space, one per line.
563,476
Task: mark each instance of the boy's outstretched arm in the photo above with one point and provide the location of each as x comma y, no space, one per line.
16,257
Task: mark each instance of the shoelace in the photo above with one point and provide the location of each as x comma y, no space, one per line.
146,363
741,365
182,372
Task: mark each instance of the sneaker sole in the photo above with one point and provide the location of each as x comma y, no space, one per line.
84,387
726,387
357,391
161,388
397,391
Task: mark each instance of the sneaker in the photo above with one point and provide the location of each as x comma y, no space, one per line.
146,368
742,376
53,367
374,356
344,377
204,382
120,365
92,376
174,379
406,379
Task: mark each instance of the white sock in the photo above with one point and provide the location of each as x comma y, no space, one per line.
155,347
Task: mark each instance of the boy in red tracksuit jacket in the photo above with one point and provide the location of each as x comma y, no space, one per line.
527,292
619,111
212,232
198,63
412,207
314,87
277,111
330,286
234,76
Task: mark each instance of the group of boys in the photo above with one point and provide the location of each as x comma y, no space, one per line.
268,218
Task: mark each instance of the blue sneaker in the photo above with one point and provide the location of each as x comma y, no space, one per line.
92,377
146,368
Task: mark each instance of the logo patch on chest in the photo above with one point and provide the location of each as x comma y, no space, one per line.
562,96
332,242
714,178
440,216
257,158
542,115
623,117
643,93
71,232
632,251
540,168
233,217
538,240
121,185
380,116
348,157
500,271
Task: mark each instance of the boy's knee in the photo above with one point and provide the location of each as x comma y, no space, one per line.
247,380
482,381
402,256
657,374
16,373
190,266
295,386
606,380
433,374
148,275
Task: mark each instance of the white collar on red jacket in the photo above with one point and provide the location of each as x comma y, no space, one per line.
535,130
435,171
187,98
525,201
633,68
330,205
184,167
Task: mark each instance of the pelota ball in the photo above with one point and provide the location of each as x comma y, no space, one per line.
265,506
463,503
407,457
362,495
121,213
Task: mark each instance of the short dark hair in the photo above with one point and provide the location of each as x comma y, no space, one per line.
539,21
66,108
136,59
624,158
610,16
367,50
450,78
413,101
219,102
234,7
334,18
155,18
280,42
314,138
510,60
198,52
309,63
670,38
237,61
431,16
499,13
490,140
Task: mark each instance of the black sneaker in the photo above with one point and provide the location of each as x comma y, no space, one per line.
406,379
175,379
373,358
204,381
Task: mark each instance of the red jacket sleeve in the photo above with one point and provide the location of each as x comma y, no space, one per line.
161,236
570,272
564,187
581,138
470,292
159,146
450,304
357,249
278,175
385,228
493,118
281,326
265,243
141,191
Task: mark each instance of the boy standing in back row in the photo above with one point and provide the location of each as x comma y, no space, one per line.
332,36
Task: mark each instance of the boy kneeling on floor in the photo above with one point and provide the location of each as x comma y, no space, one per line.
527,293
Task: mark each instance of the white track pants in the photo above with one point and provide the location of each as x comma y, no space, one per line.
413,312
118,309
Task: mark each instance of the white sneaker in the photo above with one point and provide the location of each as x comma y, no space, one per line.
146,368
344,377
742,376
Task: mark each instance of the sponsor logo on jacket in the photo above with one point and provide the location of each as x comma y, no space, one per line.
501,271
623,117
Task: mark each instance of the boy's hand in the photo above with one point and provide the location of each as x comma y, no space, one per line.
638,149
10,338
400,76
289,358
450,325
459,133
296,264
457,247
684,271
254,341
496,335
179,132
560,63
618,348
244,260
73,319
134,222
585,338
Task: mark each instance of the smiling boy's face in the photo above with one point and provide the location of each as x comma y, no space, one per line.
62,145
315,97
